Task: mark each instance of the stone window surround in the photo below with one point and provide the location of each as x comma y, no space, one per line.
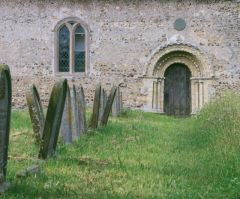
71,28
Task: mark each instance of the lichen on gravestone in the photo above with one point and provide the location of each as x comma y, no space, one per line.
53,119
2,87
96,106
36,112
82,110
121,102
75,113
108,107
66,124
116,107
103,102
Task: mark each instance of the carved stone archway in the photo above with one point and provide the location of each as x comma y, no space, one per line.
188,55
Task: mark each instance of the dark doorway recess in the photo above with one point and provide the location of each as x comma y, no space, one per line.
177,90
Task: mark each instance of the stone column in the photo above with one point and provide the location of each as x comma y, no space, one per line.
158,95
193,97
205,89
161,96
154,97
199,93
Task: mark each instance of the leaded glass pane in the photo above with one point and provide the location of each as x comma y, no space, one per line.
79,50
64,45
79,30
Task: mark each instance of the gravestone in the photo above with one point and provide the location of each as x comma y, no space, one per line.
75,113
53,119
66,124
117,103
36,112
121,102
96,106
82,110
108,107
103,102
5,117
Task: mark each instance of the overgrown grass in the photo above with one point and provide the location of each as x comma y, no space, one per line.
139,155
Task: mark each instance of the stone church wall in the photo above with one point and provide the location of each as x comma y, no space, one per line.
123,36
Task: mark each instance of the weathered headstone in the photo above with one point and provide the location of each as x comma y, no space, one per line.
36,112
103,102
66,125
121,102
32,170
5,117
96,106
75,113
4,186
82,110
108,107
53,119
117,104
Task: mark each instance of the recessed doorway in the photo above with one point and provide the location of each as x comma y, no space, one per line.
177,90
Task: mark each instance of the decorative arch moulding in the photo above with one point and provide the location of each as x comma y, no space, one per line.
174,51
178,57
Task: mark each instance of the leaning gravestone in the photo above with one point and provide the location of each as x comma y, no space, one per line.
96,106
82,110
116,107
121,102
66,124
53,119
36,112
103,102
108,107
75,113
5,117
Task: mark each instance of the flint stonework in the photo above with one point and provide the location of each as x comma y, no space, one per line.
36,112
82,110
66,125
5,117
108,107
53,119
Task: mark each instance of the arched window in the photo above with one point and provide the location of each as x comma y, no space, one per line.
71,49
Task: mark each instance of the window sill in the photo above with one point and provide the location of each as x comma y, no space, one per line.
70,75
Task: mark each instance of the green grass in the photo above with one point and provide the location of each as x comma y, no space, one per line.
139,155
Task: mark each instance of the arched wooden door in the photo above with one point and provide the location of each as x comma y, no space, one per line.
177,90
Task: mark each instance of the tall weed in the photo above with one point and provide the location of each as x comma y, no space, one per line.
220,120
